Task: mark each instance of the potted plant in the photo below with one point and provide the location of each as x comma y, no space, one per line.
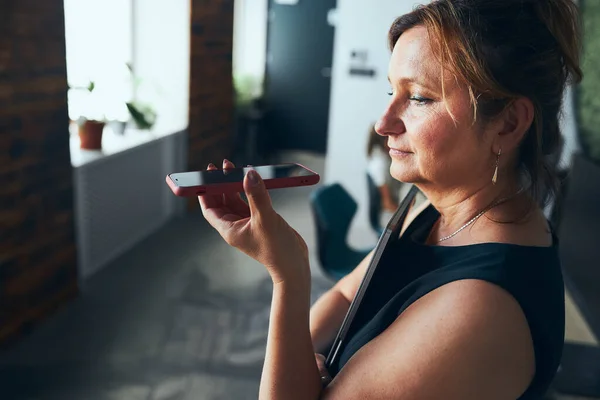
582,178
249,112
90,129
142,114
588,102
94,105
578,214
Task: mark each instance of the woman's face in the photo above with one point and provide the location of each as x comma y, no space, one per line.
429,146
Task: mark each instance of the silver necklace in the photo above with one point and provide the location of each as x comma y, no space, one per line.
475,218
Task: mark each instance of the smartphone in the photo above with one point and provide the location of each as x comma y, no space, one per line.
197,183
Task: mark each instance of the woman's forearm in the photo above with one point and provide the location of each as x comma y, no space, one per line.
326,317
290,370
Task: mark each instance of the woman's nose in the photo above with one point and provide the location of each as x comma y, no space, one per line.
390,123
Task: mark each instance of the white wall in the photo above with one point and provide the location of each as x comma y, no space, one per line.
357,102
161,57
569,130
106,224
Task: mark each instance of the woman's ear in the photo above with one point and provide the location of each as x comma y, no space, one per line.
517,119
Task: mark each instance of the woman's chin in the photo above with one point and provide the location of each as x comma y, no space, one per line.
403,174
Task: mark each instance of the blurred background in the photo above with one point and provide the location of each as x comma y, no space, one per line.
113,288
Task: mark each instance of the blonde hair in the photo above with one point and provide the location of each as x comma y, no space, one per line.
503,50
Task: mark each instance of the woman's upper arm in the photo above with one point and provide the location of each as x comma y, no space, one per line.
348,285
465,340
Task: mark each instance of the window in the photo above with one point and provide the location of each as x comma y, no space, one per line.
250,44
103,37
99,46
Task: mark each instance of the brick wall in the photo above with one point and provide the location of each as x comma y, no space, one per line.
37,245
38,269
211,87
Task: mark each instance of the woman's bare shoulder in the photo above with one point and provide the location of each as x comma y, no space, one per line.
531,230
470,349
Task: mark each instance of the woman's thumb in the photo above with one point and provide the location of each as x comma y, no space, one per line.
258,197
323,373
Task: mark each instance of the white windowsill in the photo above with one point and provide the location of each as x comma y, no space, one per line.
113,143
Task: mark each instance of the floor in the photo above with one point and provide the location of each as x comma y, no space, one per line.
181,316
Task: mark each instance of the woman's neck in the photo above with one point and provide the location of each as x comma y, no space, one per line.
460,205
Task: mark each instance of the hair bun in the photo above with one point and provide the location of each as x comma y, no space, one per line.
561,18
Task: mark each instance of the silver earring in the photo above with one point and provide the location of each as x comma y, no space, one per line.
495,178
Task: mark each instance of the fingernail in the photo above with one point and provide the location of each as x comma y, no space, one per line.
253,177
211,165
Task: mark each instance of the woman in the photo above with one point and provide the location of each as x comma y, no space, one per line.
470,303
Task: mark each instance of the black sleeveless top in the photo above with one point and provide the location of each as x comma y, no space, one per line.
411,269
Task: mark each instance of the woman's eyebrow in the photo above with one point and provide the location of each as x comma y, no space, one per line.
412,80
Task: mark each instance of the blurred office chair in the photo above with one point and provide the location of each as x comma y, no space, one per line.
374,205
333,209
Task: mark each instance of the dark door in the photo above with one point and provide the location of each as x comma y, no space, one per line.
298,74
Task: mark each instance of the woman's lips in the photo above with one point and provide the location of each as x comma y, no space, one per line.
399,153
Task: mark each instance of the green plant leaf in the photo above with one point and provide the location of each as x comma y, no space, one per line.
143,116
588,101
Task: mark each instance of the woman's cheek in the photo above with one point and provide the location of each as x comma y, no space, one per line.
422,133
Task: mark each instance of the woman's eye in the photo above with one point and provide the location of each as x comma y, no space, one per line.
419,100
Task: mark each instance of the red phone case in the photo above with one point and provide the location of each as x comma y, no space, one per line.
236,187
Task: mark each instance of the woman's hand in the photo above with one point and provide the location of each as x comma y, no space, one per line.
323,373
256,229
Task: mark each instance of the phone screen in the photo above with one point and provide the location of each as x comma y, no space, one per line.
200,178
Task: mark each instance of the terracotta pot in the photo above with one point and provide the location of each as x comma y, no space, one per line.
90,135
